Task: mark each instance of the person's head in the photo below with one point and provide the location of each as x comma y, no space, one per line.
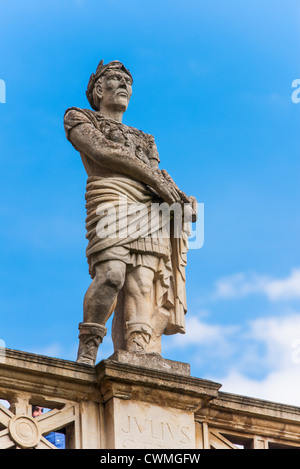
110,87
37,411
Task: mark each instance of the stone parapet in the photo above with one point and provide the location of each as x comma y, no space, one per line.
132,401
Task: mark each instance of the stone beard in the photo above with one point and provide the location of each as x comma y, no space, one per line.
140,276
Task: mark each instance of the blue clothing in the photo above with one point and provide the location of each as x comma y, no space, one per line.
57,439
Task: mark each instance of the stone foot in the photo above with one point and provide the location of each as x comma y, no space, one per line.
90,337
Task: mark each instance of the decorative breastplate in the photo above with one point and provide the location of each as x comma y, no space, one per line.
135,140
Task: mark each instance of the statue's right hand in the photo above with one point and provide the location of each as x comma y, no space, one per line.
166,191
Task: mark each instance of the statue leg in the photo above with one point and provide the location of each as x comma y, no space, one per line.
138,308
99,303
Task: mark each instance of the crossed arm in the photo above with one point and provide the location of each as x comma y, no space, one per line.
87,139
90,141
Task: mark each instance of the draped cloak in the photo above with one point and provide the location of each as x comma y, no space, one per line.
116,229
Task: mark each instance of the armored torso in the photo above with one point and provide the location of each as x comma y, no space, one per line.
140,144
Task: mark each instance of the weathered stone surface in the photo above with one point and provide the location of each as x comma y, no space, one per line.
24,431
137,249
152,361
115,403
140,425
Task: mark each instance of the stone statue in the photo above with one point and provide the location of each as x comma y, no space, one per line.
139,275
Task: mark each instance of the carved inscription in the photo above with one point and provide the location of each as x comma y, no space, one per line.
149,426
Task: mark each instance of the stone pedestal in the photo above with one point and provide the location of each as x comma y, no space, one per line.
150,402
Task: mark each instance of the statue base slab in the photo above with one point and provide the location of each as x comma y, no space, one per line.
151,361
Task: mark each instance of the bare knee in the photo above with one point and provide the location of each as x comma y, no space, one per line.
114,279
110,274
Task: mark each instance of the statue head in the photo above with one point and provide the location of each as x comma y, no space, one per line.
110,86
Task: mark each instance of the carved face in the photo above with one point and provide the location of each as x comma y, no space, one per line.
114,90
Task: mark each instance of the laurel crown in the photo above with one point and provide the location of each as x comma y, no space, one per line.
101,69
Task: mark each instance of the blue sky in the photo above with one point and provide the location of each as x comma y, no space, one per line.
212,83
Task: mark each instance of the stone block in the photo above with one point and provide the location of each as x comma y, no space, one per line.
151,361
141,425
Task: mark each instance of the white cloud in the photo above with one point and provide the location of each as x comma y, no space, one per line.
260,358
202,344
280,359
198,332
204,335
284,288
281,386
240,285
